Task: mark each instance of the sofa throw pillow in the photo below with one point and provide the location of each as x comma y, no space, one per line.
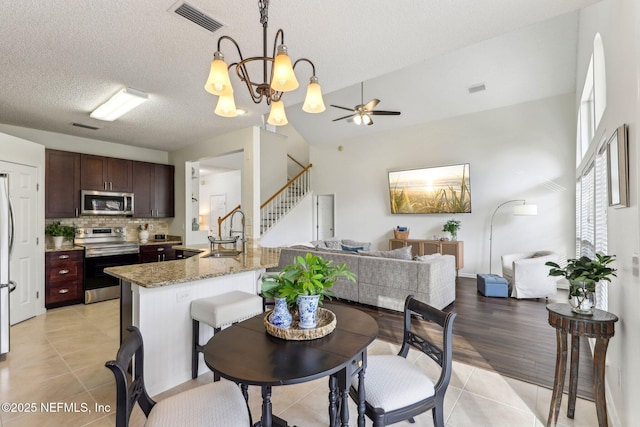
318,244
427,257
366,246
333,244
400,253
352,248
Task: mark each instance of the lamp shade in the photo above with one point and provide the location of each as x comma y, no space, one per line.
218,82
284,79
277,116
226,106
313,102
525,210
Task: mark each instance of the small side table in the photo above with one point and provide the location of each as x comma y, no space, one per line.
599,326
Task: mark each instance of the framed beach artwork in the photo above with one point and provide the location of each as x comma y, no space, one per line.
431,190
618,168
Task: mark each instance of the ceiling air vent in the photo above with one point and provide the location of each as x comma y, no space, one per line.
80,125
477,88
194,15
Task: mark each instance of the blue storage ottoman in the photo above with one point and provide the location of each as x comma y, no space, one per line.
492,285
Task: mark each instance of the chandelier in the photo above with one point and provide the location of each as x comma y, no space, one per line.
278,77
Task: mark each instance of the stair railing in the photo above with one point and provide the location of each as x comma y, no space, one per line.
285,199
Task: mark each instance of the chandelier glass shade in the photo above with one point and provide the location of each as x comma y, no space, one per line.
278,77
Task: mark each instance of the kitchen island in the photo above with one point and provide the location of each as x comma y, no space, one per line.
156,297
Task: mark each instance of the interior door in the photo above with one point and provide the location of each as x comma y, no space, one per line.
23,194
325,226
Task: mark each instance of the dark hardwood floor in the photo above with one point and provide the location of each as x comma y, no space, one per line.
510,336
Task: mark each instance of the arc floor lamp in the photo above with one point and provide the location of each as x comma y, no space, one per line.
522,209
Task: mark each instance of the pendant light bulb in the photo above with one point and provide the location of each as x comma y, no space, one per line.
313,102
284,79
277,116
218,82
226,106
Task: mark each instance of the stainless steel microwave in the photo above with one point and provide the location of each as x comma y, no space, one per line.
106,203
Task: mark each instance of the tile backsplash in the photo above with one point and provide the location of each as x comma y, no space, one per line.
156,225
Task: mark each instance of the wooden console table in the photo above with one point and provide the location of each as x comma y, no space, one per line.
428,247
599,326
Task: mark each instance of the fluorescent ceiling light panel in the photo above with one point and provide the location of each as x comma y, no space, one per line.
121,103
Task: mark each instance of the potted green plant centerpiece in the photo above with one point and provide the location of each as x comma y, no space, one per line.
452,227
60,233
583,274
303,284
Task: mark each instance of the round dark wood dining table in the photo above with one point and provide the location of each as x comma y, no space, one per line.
246,354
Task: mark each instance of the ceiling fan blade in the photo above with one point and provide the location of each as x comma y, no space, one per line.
384,113
371,104
344,108
341,118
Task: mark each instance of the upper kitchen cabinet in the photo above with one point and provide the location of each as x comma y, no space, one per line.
153,190
62,184
106,173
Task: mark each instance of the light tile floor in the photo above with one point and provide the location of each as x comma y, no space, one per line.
55,376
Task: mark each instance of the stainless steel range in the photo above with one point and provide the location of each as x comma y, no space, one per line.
104,247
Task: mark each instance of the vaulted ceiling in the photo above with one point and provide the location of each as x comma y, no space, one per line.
61,59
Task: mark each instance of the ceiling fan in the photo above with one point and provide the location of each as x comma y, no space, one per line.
361,113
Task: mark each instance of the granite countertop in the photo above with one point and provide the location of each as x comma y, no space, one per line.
64,248
158,274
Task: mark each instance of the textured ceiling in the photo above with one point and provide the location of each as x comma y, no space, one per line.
61,59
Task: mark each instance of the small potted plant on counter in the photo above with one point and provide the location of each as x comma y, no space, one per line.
59,233
583,274
304,284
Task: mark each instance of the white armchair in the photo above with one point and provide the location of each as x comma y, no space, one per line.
528,276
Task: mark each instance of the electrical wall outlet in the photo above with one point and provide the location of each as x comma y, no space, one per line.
150,227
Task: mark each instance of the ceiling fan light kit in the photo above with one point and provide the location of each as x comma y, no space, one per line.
276,80
361,114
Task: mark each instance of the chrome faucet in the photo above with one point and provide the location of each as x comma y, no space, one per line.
231,230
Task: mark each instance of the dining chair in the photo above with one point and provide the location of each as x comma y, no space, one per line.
395,388
213,404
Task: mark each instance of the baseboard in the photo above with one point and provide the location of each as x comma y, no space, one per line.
467,275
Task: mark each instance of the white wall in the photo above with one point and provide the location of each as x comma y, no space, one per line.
227,183
295,227
273,164
246,140
525,151
618,21
59,141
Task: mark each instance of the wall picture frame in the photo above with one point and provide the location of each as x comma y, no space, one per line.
618,167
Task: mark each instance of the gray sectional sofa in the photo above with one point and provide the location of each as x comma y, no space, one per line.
386,282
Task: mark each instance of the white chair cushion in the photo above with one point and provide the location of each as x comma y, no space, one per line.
216,404
225,309
392,382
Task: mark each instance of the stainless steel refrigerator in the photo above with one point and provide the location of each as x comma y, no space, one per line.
6,245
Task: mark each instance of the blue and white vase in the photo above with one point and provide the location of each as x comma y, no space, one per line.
281,317
308,310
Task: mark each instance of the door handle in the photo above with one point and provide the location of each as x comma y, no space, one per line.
12,286
63,257
111,186
63,272
63,291
12,229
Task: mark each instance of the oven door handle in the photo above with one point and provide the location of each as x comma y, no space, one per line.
109,253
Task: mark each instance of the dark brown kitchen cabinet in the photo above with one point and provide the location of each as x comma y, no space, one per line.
157,253
106,173
62,184
63,278
153,190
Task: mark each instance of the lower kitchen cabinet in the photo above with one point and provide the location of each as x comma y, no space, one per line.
63,278
157,253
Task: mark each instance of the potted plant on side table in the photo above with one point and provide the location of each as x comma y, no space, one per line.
59,233
303,284
583,274
452,226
